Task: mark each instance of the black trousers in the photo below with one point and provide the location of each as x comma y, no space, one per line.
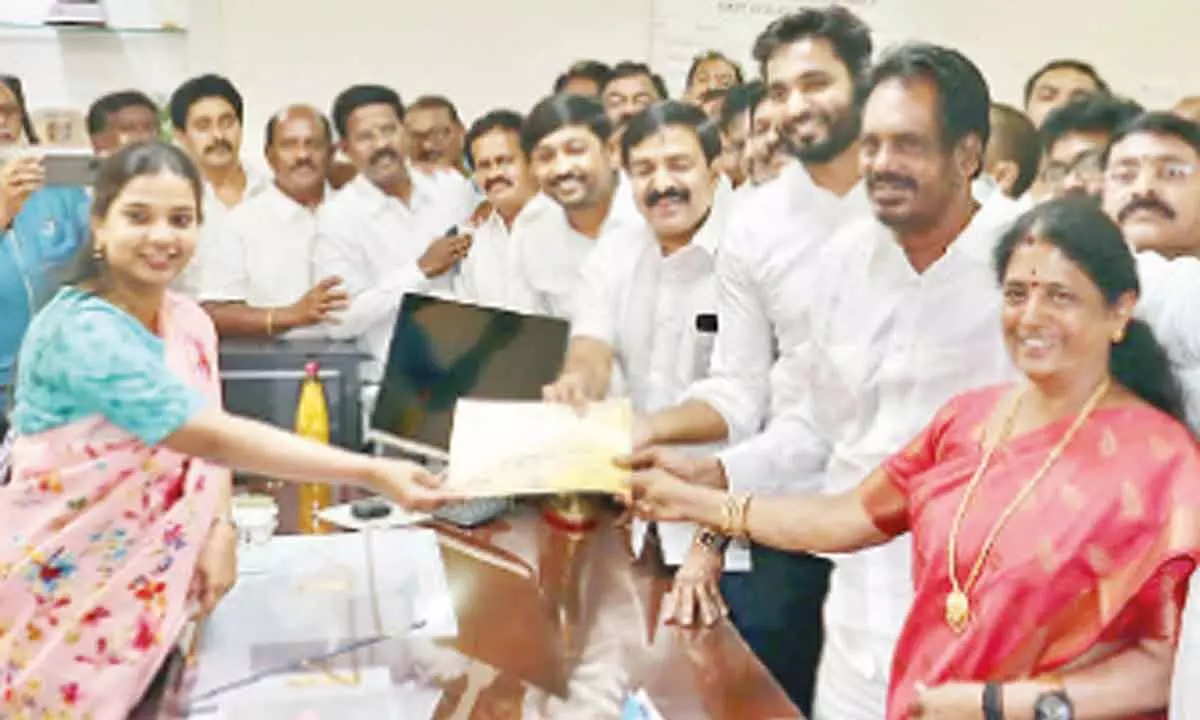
777,607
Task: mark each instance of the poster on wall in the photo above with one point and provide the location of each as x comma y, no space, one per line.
683,29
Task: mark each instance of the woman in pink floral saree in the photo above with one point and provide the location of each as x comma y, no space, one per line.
115,526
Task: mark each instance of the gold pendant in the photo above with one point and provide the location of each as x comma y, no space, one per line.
958,611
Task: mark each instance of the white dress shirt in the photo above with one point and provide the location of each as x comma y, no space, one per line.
1169,298
551,254
264,258
215,225
887,348
487,275
647,308
373,241
764,277
1185,693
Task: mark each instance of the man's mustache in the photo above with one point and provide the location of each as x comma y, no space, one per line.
219,145
496,182
567,177
654,197
885,178
1146,202
385,154
304,164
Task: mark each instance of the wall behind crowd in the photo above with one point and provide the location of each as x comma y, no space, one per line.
484,53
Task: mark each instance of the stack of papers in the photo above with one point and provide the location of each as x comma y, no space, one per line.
501,448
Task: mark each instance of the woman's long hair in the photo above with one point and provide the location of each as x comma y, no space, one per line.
13,83
149,158
1086,235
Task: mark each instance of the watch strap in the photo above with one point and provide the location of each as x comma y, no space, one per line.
993,701
713,540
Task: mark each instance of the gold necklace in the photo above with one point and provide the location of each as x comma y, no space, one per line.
958,603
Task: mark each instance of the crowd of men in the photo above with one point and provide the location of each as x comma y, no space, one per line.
685,241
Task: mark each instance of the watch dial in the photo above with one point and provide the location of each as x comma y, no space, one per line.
1053,707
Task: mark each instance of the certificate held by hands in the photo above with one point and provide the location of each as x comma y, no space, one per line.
500,448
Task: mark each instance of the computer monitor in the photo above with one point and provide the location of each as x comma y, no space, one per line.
443,350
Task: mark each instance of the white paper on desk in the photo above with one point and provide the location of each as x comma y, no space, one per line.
501,448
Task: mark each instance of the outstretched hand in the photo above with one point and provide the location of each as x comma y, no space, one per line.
411,486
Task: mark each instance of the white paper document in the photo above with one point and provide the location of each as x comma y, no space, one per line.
500,448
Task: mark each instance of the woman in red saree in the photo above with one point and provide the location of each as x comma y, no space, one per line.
115,526
1055,523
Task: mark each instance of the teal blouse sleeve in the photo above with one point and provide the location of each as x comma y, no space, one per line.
82,357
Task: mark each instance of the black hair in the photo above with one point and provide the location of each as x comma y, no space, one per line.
1158,123
558,111
593,70
357,96
667,113
13,83
1091,239
115,172
113,103
199,88
964,103
741,99
629,68
1078,66
1016,139
1095,114
495,120
849,36
436,102
273,122
708,57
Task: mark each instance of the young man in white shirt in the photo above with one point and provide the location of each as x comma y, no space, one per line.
207,114
813,63
387,232
493,149
566,140
259,281
903,317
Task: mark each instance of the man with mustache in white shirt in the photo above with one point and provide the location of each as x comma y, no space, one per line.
493,148
902,318
387,231
1152,189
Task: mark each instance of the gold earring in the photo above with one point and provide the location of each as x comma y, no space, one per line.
1118,336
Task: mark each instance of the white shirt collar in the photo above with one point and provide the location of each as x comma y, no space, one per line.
377,200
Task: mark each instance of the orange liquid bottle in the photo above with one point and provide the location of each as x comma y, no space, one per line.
312,422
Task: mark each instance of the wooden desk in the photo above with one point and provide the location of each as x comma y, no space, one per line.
558,625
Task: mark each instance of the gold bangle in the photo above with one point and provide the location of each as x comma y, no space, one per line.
271,322
740,503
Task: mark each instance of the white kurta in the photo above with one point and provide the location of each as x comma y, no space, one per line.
550,254
764,277
374,242
214,227
887,348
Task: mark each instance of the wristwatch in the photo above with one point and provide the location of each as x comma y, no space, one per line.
712,540
1054,705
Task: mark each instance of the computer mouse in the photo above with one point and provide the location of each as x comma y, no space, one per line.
370,509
